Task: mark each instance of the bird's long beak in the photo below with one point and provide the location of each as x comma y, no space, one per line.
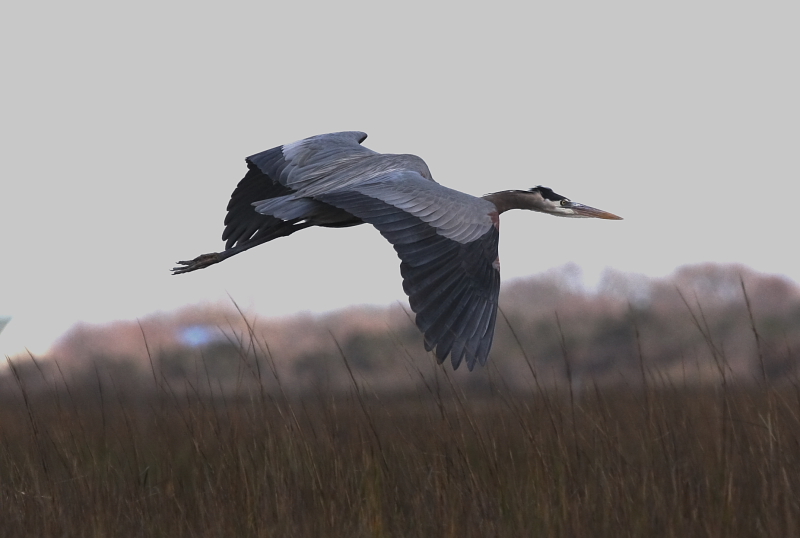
587,211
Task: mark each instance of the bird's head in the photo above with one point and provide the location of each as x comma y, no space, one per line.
544,200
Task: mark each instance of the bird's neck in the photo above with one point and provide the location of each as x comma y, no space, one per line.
505,200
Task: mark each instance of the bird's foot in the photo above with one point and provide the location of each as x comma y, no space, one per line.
200,262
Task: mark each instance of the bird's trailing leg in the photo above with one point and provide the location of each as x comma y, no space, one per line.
200,262
204,260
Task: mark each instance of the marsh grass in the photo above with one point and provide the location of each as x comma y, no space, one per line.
657,459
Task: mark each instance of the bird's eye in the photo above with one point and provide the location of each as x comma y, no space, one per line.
565,202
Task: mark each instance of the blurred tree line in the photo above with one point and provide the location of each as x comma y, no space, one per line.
689,329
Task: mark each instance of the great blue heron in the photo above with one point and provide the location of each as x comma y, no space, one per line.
446,240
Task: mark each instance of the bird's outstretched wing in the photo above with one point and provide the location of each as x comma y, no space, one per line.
243,225
315,164
447,243
282,171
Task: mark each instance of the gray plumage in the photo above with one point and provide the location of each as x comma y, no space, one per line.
446,240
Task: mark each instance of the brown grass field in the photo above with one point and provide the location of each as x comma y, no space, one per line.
658,460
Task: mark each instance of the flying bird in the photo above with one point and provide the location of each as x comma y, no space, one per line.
446,240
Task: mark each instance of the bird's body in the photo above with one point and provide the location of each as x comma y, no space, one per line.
447,240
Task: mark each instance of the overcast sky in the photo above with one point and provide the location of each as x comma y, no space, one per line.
124,129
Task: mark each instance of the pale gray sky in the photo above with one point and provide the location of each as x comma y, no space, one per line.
124,128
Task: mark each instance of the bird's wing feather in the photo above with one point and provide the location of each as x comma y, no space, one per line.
277,173
314,164
449,258
243,223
